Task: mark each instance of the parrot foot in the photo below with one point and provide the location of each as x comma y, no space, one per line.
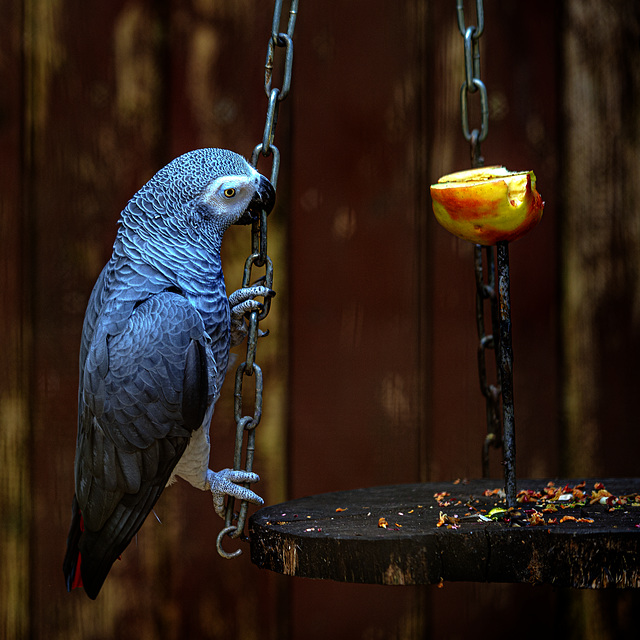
222,484
242,302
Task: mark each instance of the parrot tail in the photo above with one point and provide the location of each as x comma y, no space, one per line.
73,559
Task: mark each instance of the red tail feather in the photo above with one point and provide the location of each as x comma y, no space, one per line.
77,576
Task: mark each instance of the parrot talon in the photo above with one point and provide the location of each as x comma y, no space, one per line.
223,483
248,293
261,282
242,303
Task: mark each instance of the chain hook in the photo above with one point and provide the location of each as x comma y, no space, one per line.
227,531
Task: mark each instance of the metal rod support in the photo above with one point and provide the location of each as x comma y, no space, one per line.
505,358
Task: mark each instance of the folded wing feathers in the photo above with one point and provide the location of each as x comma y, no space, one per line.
134,424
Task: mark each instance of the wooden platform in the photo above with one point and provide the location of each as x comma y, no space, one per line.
574,533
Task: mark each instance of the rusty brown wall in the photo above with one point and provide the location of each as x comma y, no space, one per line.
370,369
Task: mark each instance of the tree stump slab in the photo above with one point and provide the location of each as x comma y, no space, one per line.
564,532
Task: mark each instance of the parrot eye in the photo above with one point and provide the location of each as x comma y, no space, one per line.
229,193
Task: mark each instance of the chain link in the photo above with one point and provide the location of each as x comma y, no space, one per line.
479,17
247,423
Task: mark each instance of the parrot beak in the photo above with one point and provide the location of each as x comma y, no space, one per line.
263,200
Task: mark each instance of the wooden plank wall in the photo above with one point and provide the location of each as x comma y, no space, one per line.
600,235
15,342
370,369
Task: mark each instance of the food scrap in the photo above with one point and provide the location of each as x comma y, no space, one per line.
448,521
551,495
538,507
535,519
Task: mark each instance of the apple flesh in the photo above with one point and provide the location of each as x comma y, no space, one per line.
487,205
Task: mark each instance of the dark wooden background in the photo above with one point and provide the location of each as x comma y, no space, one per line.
371,364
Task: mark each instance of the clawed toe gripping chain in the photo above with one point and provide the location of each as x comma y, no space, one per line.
223,483
243,303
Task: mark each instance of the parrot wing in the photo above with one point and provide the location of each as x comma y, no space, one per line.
144,391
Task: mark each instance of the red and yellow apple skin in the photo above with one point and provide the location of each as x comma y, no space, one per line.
487,205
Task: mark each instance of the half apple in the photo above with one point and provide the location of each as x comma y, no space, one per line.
487,205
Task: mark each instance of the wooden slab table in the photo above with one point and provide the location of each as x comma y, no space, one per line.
342,535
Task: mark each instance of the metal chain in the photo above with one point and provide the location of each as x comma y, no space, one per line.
472,82
246,423
485,285
486,290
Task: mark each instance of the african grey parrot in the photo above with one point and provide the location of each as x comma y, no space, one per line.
154,353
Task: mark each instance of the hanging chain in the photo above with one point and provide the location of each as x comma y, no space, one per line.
485,285
246,424
486,290
472,82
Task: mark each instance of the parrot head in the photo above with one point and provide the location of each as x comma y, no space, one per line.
197,196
